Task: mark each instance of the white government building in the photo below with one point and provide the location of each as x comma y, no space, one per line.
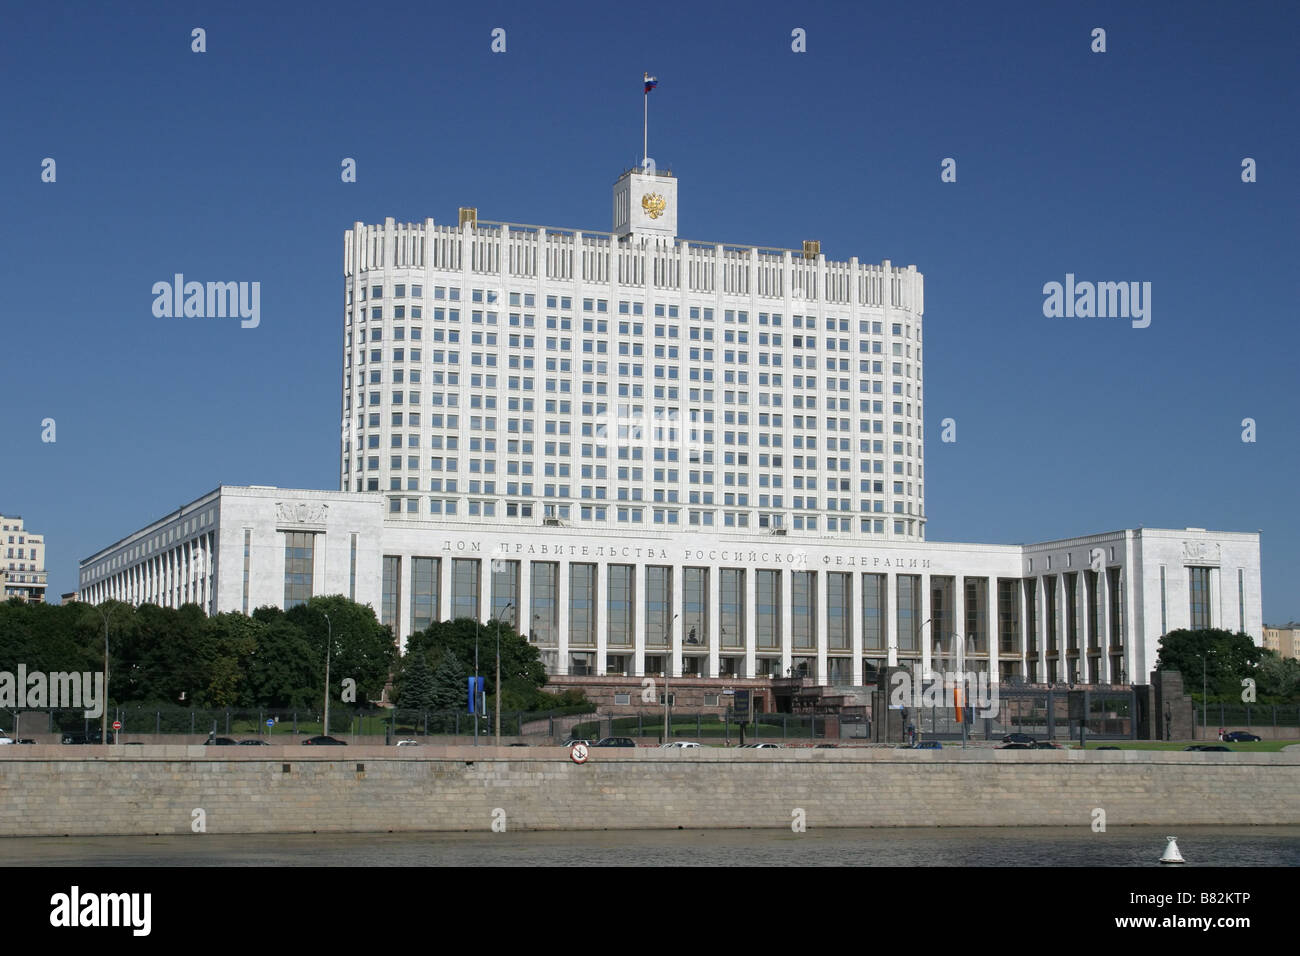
663,456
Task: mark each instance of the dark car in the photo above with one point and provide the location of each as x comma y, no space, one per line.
220,742
1043,745
1108,748
825,746
1017,739
1214,748
1239,737
615,742
253,743
84,738
25,740
928,745
1016,747
324,740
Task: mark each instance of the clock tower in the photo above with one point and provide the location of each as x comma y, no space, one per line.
645,204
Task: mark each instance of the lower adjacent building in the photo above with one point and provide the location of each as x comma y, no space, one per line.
22,561
703,605
1283,640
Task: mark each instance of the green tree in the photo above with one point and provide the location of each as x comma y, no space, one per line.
1278,678
450,684
521,665
363,649
416,686
1229,657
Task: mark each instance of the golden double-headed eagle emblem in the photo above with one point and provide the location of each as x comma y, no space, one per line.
654,205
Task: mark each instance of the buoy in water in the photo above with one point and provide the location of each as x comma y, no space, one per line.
1171,852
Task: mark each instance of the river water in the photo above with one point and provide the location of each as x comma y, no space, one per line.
956,846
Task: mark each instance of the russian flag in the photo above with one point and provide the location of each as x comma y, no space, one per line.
650,82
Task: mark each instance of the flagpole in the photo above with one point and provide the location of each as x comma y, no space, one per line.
645,124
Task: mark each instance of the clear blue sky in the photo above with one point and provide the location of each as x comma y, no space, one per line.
225,166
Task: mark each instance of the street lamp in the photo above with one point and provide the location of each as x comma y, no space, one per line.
668,672
103,729
329,650
1204,724
509,606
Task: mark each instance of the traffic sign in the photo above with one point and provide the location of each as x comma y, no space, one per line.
578,753
270,722
117,725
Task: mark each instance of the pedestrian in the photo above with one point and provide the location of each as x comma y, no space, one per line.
1220,733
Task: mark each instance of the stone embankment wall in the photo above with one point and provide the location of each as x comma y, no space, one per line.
60,790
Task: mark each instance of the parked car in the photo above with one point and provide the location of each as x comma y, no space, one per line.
1016,747
253,742
220,742
569,742
928,745
680,745
84,738
26,740
615,742
1017,739
825,746
1216,748
324,740
408,743
1239,737
1044,745
5,740
761,746
1108,748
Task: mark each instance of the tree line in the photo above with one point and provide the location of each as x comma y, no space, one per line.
273,658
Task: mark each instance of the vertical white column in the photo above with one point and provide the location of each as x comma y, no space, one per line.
713,614
928,634
1103,626
749,620
562,598
786,577
601,611
821,587
858,589
638,627
991,626
676,624
891,616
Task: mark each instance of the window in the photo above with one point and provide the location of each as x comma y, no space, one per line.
1200,597
424,592
299,559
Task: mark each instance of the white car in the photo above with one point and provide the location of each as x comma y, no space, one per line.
761,746
680,745
4,739
408,743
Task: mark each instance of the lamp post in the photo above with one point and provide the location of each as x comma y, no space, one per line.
329,651
508,606
1204,724
473,685
668,671
103,728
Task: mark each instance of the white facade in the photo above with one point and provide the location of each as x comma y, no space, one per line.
1082,610
661,456
630,380
22,561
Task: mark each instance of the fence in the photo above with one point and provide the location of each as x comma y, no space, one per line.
343,720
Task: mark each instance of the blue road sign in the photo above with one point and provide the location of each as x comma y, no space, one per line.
270,722
474,690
